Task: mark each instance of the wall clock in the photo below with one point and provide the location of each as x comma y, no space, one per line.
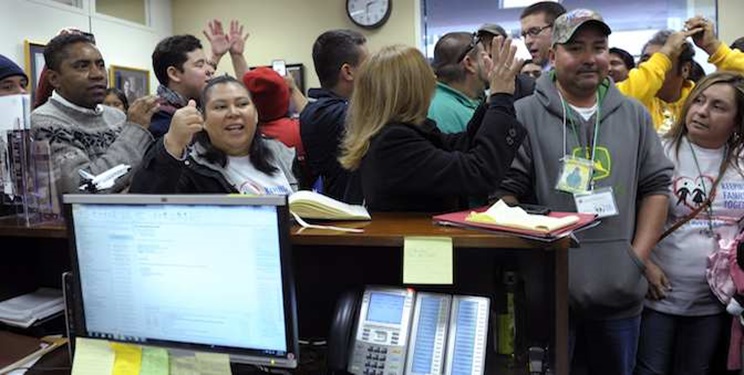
369,14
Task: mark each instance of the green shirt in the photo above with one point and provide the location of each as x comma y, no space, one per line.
451,109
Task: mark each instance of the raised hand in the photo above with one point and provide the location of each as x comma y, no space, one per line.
502,66
706,39
236,38
673,46
141,111
186,122
217,38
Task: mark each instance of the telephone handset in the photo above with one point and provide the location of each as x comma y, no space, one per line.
399,331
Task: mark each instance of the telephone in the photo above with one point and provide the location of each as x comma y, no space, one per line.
399,331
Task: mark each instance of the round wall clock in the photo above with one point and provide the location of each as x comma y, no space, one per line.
369,14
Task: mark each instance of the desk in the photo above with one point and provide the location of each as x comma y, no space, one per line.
328,262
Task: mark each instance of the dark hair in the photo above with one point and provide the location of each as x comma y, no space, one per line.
660,38
696,72
56,50
738,44
119,94
624,55
447,51
332,50
260,154
172,51
551,9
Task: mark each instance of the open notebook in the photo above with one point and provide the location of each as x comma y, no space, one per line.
502,218
310,205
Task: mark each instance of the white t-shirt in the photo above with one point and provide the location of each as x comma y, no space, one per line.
585,112
241,173
682,255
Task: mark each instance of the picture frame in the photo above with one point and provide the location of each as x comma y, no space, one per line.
133,82
34,64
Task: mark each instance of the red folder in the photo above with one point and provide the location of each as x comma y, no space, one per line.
458,219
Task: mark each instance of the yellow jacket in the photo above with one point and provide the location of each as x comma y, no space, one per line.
645,81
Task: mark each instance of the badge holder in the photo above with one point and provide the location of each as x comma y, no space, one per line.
576,175
599,201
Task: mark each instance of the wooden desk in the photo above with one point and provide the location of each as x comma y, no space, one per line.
326,258
328,262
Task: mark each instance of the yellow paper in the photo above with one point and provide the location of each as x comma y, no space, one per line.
213,364
92,357
128,359
154,361
183,365
427,260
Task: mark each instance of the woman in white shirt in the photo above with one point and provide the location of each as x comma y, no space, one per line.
683,321
227,155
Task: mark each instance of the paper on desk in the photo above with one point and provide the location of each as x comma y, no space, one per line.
213,364
427,260
183,365
154,361
127,358
92,357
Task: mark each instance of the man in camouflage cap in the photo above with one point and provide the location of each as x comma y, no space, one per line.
578,119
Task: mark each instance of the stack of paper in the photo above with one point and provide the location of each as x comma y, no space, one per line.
23,311
515,217
310,205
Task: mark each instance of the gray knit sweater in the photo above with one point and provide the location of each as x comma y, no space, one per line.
92,140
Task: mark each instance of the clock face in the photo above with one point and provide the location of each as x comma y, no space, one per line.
368,13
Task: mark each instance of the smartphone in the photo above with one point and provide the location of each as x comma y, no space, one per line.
279,66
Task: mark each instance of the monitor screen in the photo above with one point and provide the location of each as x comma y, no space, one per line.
386,308
199,272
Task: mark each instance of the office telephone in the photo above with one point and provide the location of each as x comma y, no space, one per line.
395,331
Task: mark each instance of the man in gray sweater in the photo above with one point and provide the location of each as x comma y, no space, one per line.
590,149
82,133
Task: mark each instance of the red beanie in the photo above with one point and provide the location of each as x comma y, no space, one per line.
269,92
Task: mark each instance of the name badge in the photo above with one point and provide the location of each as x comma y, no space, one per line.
576,175
600,202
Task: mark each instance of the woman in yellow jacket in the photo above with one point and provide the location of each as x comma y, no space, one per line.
660,80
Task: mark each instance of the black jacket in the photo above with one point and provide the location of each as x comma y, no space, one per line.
322,129
161,173
418,168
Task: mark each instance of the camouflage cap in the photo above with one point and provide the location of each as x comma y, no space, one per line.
491,28
567,23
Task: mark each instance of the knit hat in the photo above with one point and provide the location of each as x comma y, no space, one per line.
269,92
566,24
8,69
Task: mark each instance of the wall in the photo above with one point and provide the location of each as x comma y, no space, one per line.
286,29
730,26
121,42
130,10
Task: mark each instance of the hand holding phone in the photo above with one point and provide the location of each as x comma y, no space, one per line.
279,66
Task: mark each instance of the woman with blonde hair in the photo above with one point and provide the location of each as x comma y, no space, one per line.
683,321
403,162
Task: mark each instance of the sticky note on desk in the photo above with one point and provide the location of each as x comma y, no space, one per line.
127,359
92,357
154,361
427,260
213,363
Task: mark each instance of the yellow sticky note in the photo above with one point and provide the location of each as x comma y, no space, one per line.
213,364
92,357
427,260
154,361
183,365
128,359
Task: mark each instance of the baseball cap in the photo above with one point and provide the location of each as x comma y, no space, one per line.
491,28
566,24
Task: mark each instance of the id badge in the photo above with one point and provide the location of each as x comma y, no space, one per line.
600,202
576,175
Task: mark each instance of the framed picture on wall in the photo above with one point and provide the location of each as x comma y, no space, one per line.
298,73
34,59
133,82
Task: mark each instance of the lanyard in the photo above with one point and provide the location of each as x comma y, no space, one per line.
595,135
721,171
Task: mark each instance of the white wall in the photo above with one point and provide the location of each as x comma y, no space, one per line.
121,42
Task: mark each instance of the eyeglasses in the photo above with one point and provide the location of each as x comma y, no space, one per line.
474,40
535,31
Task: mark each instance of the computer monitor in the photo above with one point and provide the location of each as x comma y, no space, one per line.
198,272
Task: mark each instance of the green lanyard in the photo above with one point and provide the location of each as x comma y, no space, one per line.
595,135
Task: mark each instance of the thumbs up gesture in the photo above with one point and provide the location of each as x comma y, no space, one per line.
186,122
